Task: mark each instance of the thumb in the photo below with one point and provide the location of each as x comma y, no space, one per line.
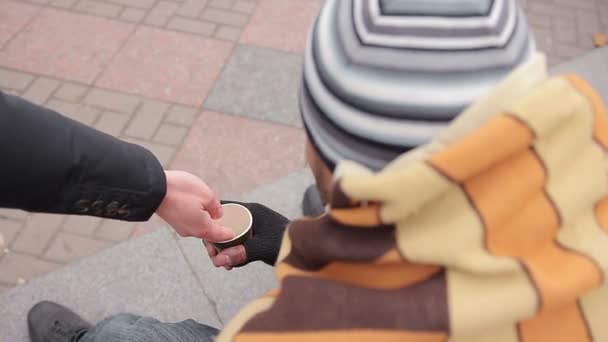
216,232
214,208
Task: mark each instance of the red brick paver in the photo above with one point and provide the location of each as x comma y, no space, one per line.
65,45
166,65
281,24
13,17
235,155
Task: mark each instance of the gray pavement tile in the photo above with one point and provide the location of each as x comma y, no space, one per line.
228,290
147,276
259,83
593,67
283,195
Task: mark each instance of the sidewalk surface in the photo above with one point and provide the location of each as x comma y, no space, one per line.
210,87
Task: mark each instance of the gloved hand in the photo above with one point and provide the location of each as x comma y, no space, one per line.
268,228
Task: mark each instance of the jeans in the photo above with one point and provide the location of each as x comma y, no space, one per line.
131,328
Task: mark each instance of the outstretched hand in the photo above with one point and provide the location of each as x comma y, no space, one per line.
191,208
268,229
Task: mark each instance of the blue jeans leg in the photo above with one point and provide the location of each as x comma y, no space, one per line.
132,328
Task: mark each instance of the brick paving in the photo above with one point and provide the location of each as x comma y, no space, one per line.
208,86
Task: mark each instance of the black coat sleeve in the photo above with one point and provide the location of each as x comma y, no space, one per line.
52,164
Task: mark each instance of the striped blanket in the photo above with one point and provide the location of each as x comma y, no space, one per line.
496,231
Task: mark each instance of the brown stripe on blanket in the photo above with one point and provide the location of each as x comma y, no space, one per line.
315,243
309,304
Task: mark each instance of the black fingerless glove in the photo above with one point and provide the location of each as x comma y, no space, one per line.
268,228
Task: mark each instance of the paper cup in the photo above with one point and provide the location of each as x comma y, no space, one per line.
239,219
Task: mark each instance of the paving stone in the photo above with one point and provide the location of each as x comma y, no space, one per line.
14,79
71,92
181,115
230,291
81,225
154,224
37,232
41,90
588,22
281,24
160,14
228,32
9,230
144,4
238,90
583,4
225,17
565,33
191,26
133,14
68,247
191,8
538,20
164,153
13,214
16,265
159,75
63,3
568,51
66,45
263,152
147,119
112,123
275,196
98,8
223,4
13,17
245,6
112,100
114,230
148,276
170,134
79,112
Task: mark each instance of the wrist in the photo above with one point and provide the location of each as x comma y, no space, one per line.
167,193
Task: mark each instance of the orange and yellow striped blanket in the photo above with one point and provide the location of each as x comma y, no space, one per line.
496,231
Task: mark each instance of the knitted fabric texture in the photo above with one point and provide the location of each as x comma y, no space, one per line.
382,77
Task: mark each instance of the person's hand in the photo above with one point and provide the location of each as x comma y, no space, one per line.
191,208
268,228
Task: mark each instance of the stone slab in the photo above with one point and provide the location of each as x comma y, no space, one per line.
259,83
283,195
146,276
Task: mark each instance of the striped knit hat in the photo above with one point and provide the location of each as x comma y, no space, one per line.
384,76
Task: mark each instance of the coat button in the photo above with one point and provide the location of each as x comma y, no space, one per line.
112,208
82,206
98,207
124,211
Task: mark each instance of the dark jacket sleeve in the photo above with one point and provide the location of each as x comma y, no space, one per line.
52,164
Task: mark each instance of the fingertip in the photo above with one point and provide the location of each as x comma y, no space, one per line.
219,211
210,249
215,210
225,233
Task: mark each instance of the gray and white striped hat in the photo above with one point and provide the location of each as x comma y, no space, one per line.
384,76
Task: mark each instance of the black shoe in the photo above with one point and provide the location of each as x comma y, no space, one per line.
312,205
51,322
